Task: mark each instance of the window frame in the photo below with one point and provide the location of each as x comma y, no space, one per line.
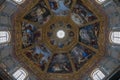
96,74
100,2
18,2
20,74
111,39
8,37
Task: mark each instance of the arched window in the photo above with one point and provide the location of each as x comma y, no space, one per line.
100,1
4,37
20,74
115,37
97,75
19,1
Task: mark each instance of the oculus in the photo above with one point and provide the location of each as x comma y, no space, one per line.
60,34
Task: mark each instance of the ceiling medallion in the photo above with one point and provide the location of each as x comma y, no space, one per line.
61,35
59,39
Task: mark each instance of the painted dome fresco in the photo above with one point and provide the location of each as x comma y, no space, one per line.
60,39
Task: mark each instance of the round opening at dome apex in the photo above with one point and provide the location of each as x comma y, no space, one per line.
60,34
